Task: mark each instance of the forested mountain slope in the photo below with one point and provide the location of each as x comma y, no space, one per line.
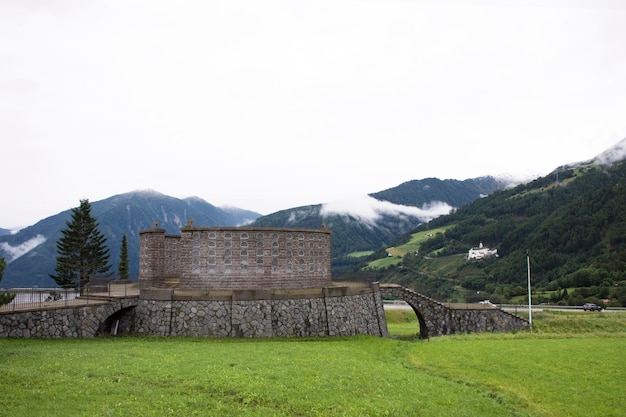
391,213
31,253
349,233
454,192
571,222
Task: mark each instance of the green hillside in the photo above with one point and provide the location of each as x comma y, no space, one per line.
572,223
352,235
396,253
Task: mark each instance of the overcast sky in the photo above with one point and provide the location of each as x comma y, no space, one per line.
268,105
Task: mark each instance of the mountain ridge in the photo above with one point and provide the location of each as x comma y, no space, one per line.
570,224
381,217
31,252
368,223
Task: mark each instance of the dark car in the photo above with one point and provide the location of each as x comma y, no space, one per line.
592,307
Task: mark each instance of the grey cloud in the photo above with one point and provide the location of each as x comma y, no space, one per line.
369,209
23,248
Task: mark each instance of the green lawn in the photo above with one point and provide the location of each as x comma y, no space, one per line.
555,371
542,376
384,262
402,324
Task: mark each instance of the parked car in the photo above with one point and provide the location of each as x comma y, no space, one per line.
591,307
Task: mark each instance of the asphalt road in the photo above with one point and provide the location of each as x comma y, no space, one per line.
512,308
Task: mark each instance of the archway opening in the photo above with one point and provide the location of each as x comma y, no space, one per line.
116,324
402,321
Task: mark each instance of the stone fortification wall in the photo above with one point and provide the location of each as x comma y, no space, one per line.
337,311
484,320
334,311
225,281
438,319
82,322
215,258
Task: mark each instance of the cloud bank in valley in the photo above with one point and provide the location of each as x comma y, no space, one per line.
369,210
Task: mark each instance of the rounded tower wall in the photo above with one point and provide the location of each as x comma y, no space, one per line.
233,258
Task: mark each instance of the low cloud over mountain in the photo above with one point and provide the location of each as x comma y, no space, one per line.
15,252
369,210
612,155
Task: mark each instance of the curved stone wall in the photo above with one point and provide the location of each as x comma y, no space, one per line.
334,311
83,322
341,310
438,319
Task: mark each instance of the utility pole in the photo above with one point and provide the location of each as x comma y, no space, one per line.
530,311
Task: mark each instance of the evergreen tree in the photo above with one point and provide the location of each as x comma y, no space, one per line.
122,268
5,298
82,250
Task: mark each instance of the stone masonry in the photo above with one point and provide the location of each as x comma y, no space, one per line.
337,312
330,311
438,319
246,282
82,322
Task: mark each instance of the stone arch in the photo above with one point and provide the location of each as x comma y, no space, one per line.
83,320
438,319
93,320
114,324
433,316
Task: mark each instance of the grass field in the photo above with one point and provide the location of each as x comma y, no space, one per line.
396,253
361,254
573,364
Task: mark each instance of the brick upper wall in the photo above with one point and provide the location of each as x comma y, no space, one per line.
217,258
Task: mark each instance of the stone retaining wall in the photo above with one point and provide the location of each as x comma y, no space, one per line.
485,320
335,311
438,319
274,316
84,321
329,311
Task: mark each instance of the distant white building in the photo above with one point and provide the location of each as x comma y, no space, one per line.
481,252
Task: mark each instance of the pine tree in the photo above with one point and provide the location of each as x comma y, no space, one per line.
5,298
82,250
122,268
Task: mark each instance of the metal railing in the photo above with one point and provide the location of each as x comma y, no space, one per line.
38,298
45,298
